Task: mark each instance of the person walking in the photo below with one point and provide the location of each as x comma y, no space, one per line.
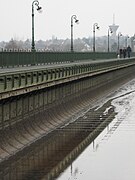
124,52
120,52
129,51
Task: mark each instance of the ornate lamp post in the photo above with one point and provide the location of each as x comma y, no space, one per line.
119,34
73,17
109,31
36,3
95,26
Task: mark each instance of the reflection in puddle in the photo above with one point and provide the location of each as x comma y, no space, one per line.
111,159
51,155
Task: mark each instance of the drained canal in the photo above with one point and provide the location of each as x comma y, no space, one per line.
97,144
111,155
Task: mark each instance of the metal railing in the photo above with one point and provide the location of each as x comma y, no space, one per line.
26,58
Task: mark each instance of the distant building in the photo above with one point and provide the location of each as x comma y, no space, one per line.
114,28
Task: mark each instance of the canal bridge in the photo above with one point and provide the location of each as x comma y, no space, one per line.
43,91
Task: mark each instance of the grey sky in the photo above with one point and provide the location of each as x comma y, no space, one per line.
15,18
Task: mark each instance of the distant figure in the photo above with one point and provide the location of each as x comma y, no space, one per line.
124,52
129,51
121,52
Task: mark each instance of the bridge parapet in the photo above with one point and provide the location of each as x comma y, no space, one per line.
20,58
26,79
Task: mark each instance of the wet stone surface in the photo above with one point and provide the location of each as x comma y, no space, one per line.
98,145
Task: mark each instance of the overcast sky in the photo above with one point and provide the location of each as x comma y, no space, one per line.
15,18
